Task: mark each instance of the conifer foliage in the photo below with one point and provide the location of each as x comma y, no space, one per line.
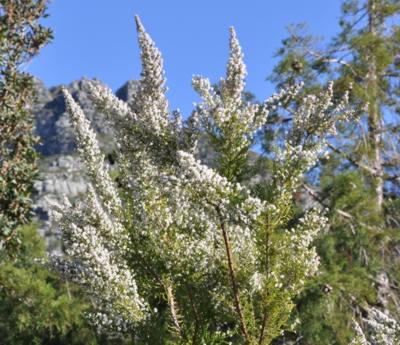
172,251
359,181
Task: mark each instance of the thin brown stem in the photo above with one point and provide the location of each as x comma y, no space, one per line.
265,314
173,309
232,276
263,327
196,316
361,165
342,213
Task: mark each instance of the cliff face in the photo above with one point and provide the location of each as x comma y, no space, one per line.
61,172
52,121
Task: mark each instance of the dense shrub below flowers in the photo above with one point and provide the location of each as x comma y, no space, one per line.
35,306
171,251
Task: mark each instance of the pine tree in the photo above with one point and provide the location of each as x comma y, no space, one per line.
364,56
359,182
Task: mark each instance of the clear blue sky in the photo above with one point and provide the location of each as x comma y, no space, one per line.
97,38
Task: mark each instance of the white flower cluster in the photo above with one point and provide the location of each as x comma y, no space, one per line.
150,100
174,222
360,338
317,116
381,329
299,240
95,255
89,150
225,113
313,120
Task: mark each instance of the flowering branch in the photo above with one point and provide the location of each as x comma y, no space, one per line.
174,225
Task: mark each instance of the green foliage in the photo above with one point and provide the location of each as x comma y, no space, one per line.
35,306
349,257
21,37
362,237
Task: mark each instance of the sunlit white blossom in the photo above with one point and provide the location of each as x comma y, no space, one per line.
177,236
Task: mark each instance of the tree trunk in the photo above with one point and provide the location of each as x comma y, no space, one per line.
374,115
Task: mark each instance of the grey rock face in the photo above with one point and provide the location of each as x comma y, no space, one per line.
52,122
127,91
61,173
59,176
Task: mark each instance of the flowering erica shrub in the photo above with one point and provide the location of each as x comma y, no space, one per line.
172,251
380,329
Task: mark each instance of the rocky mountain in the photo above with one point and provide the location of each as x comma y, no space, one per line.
53,124
61,172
